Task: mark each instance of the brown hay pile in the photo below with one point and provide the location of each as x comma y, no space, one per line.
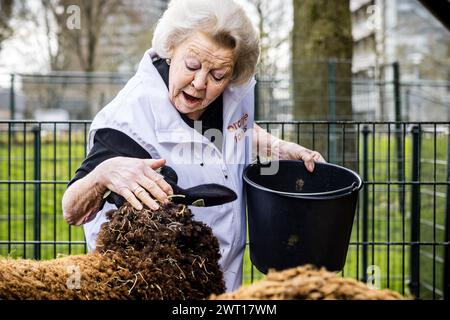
144,254
307,283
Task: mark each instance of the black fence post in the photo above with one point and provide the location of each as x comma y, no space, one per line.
37,192
397,98
257,106
447,229
414,283
12,98
365,211
331,95
398,132
408,104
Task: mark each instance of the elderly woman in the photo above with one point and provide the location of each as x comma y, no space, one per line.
190,106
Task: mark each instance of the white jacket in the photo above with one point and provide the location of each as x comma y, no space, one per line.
142,110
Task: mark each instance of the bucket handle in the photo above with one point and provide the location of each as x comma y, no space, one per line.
352,188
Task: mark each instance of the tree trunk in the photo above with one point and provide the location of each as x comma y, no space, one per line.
6,31
322,51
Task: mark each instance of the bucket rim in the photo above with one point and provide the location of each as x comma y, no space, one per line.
333,194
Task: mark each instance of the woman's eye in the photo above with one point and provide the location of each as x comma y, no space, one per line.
217,77
192,66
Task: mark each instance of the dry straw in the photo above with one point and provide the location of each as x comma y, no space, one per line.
308,283
144,254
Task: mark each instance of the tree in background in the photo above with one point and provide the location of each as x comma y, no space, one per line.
85,31
81,41
81,36
322,52
273,23
322,33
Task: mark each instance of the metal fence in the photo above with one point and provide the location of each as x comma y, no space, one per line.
57,95
393,92
400,237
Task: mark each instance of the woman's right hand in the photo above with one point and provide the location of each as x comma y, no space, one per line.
136,180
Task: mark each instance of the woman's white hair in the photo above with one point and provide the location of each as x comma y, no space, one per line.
224,20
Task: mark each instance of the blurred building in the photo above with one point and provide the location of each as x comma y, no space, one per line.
403,31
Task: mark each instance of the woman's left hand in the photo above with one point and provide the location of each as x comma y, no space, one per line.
293,151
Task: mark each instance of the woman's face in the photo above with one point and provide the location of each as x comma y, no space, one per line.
200,70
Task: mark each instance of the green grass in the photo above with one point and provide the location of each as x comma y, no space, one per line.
386,223
17,199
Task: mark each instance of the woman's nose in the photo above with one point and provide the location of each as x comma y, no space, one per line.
199,81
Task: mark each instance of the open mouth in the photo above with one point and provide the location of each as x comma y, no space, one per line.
190,99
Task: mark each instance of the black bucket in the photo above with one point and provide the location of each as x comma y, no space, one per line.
299,217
